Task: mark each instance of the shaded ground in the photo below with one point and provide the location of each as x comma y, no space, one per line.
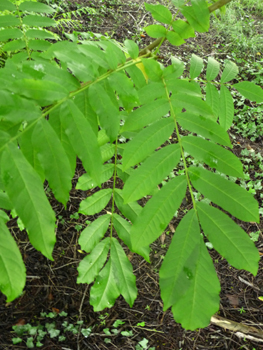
52,287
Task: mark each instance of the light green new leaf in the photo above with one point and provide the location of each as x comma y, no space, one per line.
39,21
196,66
136,76
212,98
31,204
157,213
9,21
205,127
91,265
174,38
228,238
145,115
35,7
236,200
92,234
82,139
250,90
229,73
156,31
212,69
130,210
43,91
188,280
105,291
53,159
13,271
85,182
153,69
151,173
194,105
146,141
107,112
123,272
12,33
183,29
95,203
160,13
7,5
226,108
132,48
213,155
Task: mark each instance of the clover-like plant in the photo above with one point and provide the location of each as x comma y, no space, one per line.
79,99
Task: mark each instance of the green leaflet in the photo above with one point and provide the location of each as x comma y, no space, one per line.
82,139
123,272
188,277
39,34
39,21
132,48
107,151
226,108
183,86
183,29
14,45
160,13
95,203
35,7
156,31
107,112
212,70
91,265
53,159
7,5
12,33
196,66
229,73
130,210
94,53
205,127
194,105
9,21
145,115
85,182
174,38
151,91
151,173
250,90
213,155
153,69
236,200
92,234
31,205
174,71
197,15
5,201
228,238
13,271
212,98
136,76
157,213
146,141
105,290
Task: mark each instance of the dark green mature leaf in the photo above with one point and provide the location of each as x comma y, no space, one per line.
9,21
82,139
85,182
151,173
124,276
205,127
35,7
213,155
228,238
156,31
31,205
130,210
157,213
146,141
39,21
226,108
212,98
145,115
196,66
250,90
95,203
226,194
93,233
12,33
105,290
188,279
229,73
212,69
105,109
7,5
160,13
53,159
90,266
13,271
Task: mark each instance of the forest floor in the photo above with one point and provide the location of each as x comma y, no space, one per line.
51,285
